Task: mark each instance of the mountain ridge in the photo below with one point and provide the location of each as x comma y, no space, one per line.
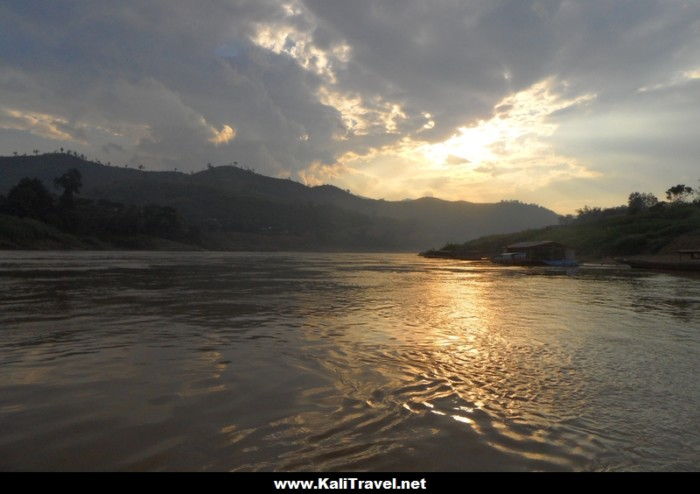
232,199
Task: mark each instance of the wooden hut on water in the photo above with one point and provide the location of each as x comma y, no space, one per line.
540,252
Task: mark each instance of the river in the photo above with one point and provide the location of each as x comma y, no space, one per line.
382,362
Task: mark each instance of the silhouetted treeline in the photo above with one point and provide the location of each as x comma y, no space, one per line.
238,209
677,196
31,199
644,226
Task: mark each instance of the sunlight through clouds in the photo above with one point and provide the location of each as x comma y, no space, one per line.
360,115
459,100
507,153
222,136
296,44
515,132
40,124
352,112
678,79
281,38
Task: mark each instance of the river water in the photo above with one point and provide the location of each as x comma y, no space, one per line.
380,362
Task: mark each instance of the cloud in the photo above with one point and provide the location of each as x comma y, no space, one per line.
111,147
286,86
222,136
319,173
510,153
456,160
41,124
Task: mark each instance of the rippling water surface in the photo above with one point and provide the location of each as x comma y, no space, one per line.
235,361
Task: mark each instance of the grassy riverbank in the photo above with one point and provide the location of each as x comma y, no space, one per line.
31,234
659,230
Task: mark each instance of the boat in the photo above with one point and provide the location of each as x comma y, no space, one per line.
686,260
561,263
537,253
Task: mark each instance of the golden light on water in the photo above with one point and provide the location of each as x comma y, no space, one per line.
357,361
464,352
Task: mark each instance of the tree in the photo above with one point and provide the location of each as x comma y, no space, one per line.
640,201
70,182
679,193
588,213
162,221
566,219
29,198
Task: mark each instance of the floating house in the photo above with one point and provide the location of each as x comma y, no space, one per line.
538,253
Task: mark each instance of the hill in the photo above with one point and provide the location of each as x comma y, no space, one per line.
237,208
32,234
659,230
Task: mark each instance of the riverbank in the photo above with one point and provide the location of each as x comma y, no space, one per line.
661,231
31,234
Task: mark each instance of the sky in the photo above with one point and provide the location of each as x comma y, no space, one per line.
557,102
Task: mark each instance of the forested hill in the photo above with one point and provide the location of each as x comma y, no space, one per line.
597,234
237,208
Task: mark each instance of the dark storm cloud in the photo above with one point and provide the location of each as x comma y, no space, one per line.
163,79
457,59
177,69
451,59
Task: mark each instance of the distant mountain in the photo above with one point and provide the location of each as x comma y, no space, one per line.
237,207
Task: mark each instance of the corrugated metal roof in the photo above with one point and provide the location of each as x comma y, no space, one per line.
527,245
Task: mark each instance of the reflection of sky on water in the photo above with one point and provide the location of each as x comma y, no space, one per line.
344,361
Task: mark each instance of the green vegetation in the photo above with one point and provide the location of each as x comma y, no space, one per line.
31,217
644,226
234,208
28,233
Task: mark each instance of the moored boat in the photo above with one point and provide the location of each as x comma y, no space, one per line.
561,263
662,264
538,253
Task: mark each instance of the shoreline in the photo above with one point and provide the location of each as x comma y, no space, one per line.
639,263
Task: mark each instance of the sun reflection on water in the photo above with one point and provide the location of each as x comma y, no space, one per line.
347,362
